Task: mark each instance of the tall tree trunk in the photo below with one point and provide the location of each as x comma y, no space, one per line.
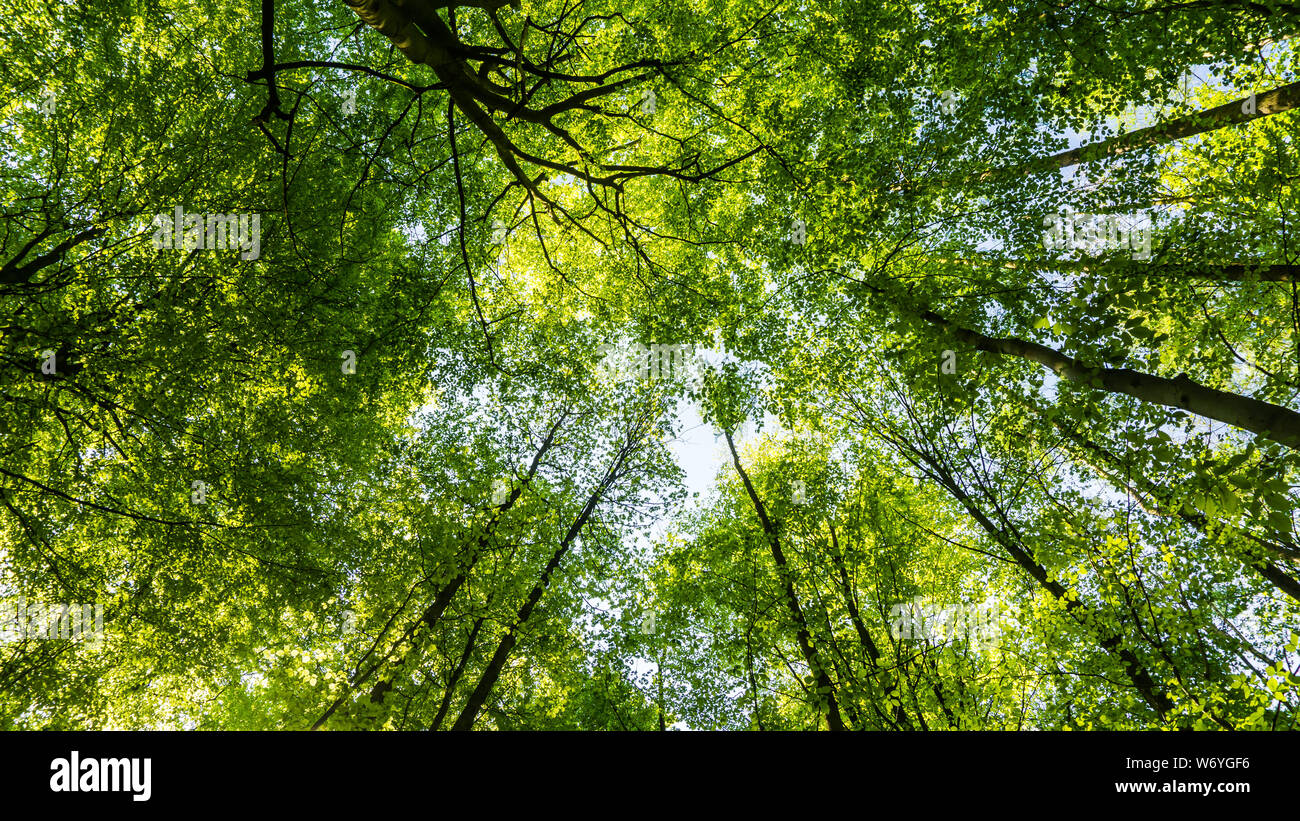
900,719
492,672
1274,101
488,680
454,678
1211,271
1167,506
429,618
823,681
1270,421
1111,642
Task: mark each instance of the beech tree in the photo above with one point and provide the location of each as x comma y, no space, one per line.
311,315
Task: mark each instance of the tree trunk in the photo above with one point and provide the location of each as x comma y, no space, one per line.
823,681
434,611
454,678
1270,421
900,719
1275,101
1212,271
1152,694
1166,506
493,670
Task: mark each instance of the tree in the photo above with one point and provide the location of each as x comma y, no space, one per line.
302,317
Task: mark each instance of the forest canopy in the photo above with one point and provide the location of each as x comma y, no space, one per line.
359,360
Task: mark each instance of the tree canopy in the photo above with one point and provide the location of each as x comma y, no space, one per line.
347,352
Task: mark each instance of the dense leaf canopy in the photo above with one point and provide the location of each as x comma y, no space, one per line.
347,352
